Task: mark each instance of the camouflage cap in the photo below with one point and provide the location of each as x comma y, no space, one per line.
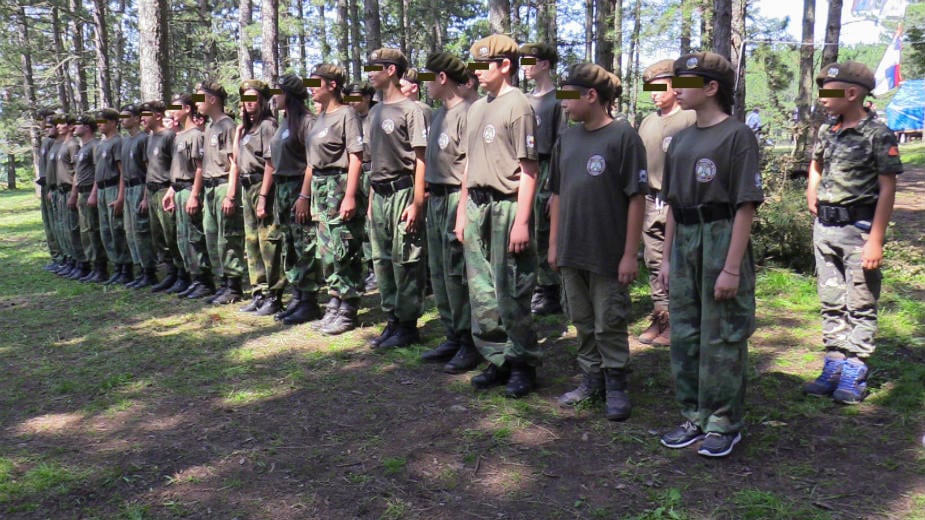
453,67
540,51
591,75
109,114
154,106
213,87
260,86
293,86
658,70
708,65
389,56
330,72
848,72
494,47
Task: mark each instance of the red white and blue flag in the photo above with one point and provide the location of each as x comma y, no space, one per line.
888,75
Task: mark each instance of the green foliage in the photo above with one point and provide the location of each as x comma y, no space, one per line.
754,504
783,229
914,49
669,507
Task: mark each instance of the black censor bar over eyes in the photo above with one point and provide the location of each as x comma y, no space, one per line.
372,68
125,116
567,94
686,82
528,61
655,87
427,76
356,98
199,97
312,82
275,91
174,107
831,92
477,65
249,97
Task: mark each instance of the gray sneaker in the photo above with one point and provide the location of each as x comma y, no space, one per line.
719,444
683,436
592,385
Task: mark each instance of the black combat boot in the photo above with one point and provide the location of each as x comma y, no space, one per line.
270,305
82,271
307,310
522,380
467,356
233,293
254,304
87,277
148,279
221,290
201,288
181,284
330,309
546,302
492,376
390,327
406,334
126,276
63,267
296,296
116,273
444,351
343,319
167,283
100,274
617,394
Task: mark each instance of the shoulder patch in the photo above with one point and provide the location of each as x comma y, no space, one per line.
893,152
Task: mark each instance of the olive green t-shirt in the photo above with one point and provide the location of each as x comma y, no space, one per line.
713,165
51,163
550,121
135,157
289,154
595,173
656,132
446,145
44,148
108,157
160,154
364,126
187,149
219,144
501,131
333,137
254,148
851,159
66,160
85,165
428,112
396,130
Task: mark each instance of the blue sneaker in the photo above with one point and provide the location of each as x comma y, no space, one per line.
828,380
852,386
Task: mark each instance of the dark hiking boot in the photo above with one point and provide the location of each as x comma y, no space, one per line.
344,318
116,273
444,351
618,406
173,274
852,385
307,310
492,376
330,309
592,385
203,287
148,279
522,380
181,284
370,283
221,290
296,296
100,274
827,382
126,276
390,327
84,270
406,334
233,293
254,304
656,325
270,305
467,357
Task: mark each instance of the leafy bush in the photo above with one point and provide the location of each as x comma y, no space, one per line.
783,229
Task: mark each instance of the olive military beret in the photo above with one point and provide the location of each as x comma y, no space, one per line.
388,56
848,72
494,47
452,66
293,86
658,70
590,75
708,65
331,72
540,51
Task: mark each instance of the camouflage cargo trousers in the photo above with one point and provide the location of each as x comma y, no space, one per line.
138,228
545,275
112,226
224,233
447,264
709,338
89,224
263,243
69,228
653,240
48,223
848,292
500,284
191,237
398,255
364,192
299,255
340,242
599,307
164,229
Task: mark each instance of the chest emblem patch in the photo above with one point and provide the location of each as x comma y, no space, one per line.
443,141
596,165
284,135
246,139
213,140
665,142
488,134
322,134
704,170
388,126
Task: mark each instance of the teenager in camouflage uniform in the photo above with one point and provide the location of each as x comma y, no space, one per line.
494,221
159,150
360,98
253,167
48,140
397,143
110,194
57,194
712,183
597,179
86,189
851,190
446,165
136,216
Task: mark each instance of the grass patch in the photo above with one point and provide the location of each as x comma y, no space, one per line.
912,154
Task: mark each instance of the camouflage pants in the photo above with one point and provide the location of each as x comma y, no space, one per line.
138,228
191,238
299,255
263,244
599,306
709,338
848,292
89,224
447,264
112,227
545,275
653,240
500,284
398,256
48,223
340,242
69,229
164,229
224,234
364,192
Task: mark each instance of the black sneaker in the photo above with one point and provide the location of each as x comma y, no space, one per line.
683,436
719,444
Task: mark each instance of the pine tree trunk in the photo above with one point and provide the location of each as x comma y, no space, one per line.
499,16
28,84
323,34
805,94
103,81
152,48
722,28
269,52
245,18
373,25
603,23
686,26
403,31
118,57
62,78
77,36
737,56
634,64
589,28
355,52
618,40
829,55
706,25
205,21
343,35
